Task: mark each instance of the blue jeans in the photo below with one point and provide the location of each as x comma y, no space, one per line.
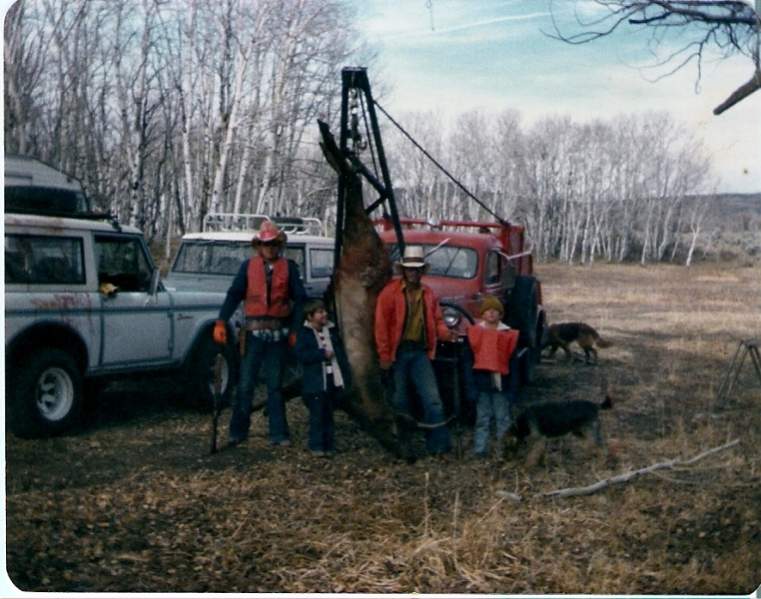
321,426
267,356
414,367
491,406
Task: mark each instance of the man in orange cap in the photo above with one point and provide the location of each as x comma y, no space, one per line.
273,295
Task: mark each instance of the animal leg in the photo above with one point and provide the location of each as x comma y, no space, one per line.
597,430
594,353
568,352
586,355
536,452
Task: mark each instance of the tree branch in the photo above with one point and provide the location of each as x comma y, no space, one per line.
740,93
627,476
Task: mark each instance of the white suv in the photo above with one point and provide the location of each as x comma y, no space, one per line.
83,302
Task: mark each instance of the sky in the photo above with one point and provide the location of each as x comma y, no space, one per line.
452,56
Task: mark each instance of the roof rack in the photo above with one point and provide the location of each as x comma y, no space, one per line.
112,219
233,221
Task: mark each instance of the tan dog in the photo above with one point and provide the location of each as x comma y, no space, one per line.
563,334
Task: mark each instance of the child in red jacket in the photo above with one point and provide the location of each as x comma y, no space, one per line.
492,344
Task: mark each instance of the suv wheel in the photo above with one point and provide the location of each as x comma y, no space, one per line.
47,398
200,375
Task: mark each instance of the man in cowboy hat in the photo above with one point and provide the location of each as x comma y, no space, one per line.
408,322
273,296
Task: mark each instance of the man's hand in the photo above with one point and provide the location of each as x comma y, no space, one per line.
292,340
385,365
220,332
328,354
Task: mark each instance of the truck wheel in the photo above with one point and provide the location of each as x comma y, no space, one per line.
523,309
200,374
47,398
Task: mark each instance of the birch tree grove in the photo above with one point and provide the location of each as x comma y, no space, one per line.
626,189
169,109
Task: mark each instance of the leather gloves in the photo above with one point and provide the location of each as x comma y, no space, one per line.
220,332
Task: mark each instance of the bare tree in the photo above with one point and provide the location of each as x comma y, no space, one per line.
732,26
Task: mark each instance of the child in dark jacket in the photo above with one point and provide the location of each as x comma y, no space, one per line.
492,344
325,373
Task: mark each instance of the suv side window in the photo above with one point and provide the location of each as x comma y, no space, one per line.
43,260
296,253
122,262
321,261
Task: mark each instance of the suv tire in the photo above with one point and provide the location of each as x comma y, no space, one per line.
523,312
46,395
200,374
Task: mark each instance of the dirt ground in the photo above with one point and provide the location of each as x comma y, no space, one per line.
134,502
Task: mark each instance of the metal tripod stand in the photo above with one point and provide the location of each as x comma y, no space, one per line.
746,347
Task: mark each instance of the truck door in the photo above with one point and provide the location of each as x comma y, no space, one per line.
137,327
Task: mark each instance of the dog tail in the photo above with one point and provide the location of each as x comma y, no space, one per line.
600,342
607,404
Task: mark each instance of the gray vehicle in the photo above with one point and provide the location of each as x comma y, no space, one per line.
209,260
84,303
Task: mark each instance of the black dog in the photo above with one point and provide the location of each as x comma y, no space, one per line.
555,419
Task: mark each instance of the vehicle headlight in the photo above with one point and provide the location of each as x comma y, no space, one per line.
452,317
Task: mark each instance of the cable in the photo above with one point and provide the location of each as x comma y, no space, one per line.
440,166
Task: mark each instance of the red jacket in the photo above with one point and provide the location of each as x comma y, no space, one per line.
390,312
256,302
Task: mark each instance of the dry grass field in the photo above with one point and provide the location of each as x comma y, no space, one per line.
135,503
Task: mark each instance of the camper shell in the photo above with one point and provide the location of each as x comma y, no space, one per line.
34,187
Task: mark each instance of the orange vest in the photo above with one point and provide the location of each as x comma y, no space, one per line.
492,348
255,303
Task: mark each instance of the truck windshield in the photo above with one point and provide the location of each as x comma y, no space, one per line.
446,261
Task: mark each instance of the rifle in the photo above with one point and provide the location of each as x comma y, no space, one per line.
219,362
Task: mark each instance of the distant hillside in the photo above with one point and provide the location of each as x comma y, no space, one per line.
732,229
736,212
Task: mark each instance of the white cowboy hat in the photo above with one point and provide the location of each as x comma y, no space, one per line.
414,257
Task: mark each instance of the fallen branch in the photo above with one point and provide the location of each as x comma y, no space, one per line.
627,476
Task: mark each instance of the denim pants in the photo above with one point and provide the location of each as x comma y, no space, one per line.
267,356
491,406
321,426
413,366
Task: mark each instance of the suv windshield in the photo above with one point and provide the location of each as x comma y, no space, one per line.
446,261
213,257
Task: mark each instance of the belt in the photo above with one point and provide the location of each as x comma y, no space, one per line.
264,324
408,345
